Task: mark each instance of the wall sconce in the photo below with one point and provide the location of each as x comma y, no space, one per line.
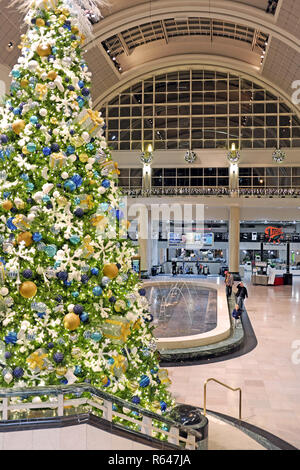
233,155
147,156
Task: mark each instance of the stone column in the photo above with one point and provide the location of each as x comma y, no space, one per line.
234,241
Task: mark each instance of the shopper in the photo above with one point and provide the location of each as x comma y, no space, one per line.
241,294
237,313
228,283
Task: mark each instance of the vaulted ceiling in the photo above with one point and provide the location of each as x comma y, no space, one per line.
138,37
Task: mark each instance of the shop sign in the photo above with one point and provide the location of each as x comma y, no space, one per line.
274,234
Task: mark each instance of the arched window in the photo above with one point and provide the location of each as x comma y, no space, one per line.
199,109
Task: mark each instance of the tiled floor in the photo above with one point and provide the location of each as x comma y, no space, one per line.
269,375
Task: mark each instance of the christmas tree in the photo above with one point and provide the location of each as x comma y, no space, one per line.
72,310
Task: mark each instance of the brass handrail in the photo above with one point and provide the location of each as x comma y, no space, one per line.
227,386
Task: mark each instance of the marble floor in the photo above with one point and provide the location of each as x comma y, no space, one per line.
269,375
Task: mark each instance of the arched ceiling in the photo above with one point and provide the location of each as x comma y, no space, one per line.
147,35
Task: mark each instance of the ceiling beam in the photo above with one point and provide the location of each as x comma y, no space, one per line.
124,45
163,25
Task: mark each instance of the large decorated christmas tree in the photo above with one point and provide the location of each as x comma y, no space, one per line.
72,310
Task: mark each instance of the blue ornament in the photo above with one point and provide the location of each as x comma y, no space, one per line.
3,139
95,271
27,273
96,336
7,355
84,278
58,357
16,111
46,198
85,91
62,275
70,185
46,151
74,239
112,299
11,338
105,183
33,119
163,405
78,309
63,381
97,290
79,212
111,361
135,399
10,224
37,236
77,180
24,177
89,146
80,101
84,316
55,147
81,84
29,187
144,381
18,372
77,371
67,283
31,147
50,250
50,345
70,150
142,291
75,294
16,73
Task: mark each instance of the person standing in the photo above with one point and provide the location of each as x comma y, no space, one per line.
241,294
228,283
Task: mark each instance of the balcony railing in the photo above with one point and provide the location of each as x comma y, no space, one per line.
212,191
19,405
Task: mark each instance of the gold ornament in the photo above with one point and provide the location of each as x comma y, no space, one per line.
40,22
74,29
28,289
7,205
24,150
52,75
71,321
25,237
38,360
18,126
110,270
83,157
43,50
24,82
60,371
62,201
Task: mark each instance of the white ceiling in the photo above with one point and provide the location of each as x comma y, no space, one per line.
280,67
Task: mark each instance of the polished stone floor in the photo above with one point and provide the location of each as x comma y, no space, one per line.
269,375
181,309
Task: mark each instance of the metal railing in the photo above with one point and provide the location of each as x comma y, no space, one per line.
224,385
212,191
15,404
